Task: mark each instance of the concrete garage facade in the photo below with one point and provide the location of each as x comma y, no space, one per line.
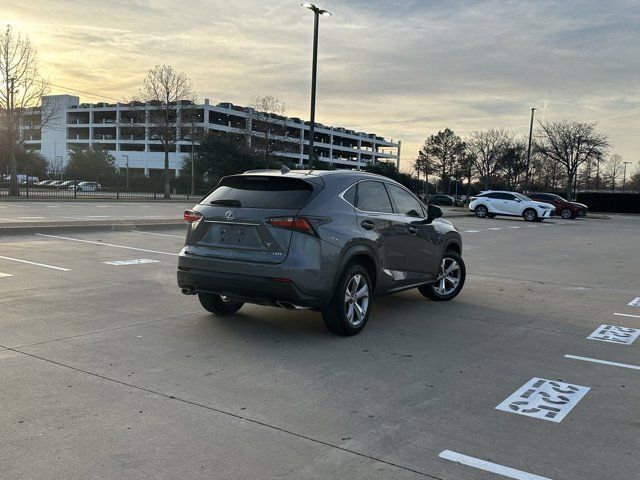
125,131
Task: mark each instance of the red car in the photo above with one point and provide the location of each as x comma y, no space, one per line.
564,208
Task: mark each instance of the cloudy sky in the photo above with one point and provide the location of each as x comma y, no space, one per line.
401,69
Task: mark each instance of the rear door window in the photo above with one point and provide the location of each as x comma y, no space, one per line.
372,197
254,191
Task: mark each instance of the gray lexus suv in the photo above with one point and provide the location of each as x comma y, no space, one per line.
322,240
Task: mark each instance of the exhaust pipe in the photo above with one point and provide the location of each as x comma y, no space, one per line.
188,291
290,306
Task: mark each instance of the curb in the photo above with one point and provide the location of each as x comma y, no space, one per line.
113,225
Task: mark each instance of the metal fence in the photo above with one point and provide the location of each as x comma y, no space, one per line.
142,188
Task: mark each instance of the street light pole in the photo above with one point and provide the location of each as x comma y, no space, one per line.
314,68
127,164
526,178
624,175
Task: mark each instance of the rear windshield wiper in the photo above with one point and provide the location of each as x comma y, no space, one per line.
226,202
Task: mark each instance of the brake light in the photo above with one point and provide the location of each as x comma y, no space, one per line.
192,217
299,224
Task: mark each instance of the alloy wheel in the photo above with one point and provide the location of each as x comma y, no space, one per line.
566,214
448,277
530,215
356,300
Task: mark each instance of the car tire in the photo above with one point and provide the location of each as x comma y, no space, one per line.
530,215
217,304
481,211
438,290
341,315
566,214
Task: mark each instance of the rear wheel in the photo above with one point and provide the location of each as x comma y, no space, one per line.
566,214
219,304
349,309
530,215
481,211
450,278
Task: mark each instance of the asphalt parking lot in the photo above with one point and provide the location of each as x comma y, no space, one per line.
108,371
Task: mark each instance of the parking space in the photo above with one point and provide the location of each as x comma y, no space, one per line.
108,369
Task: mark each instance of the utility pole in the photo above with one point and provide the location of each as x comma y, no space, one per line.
597,172
193,166
314,68
624,175
526,178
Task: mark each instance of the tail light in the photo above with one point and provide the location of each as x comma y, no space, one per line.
191,216
299,224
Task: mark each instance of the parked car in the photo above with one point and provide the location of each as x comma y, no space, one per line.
441,199
86,187
492,203
323,240
42,183
564,208
55,184
65,185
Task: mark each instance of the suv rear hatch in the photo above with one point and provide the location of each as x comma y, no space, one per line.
238,217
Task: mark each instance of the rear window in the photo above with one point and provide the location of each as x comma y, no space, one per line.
262,192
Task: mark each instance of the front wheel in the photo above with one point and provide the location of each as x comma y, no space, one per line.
450,280
349,309
566,214
530,215
218,304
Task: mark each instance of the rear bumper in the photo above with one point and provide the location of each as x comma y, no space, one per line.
249,289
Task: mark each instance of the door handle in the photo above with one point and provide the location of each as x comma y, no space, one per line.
368,224
412,230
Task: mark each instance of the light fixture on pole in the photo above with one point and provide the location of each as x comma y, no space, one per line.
526,178
624,175
314,67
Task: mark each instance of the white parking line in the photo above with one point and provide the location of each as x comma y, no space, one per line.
495,228
515,227
627,315
36,263
603,362
489,466
31,218
161,234
472,231
2,275
635,302
105,244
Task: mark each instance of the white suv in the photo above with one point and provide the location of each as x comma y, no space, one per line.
492,203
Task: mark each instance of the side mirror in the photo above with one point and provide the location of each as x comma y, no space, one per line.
434,212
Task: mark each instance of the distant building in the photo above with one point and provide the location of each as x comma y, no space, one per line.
124,130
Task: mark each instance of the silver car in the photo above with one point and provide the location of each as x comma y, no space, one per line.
323,240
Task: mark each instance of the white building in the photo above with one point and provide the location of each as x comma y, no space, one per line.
125,131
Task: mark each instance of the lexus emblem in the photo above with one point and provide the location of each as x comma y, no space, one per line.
230,215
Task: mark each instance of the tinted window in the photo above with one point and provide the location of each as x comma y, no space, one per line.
262,192
372,197
404,203
503,196
350,195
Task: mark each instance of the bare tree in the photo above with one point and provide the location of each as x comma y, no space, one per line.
163,91
444,150
514,162
614,168
570,144
266,128
488,146
424,164
467,166
21,92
